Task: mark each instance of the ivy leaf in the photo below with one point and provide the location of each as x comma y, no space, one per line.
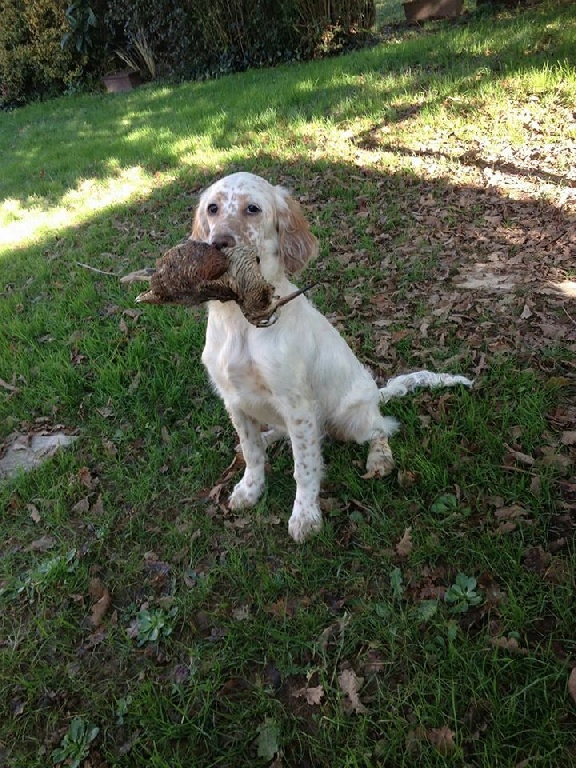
268,739
443,504
396,583
427,609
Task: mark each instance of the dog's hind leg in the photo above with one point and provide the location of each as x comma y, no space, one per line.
380,461
361,422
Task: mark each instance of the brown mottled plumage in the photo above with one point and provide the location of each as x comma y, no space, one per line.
193,272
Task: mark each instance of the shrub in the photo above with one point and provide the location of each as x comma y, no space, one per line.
32,61
193,38
48,46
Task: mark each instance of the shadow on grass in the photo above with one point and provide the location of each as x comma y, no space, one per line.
154,437
147,127
416,249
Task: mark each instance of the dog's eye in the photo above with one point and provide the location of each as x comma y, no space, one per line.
253,208
212,209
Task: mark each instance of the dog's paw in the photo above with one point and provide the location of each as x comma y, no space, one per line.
245,494
380,466
380,462
304,521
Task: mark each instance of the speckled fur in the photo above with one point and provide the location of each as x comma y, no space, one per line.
298,376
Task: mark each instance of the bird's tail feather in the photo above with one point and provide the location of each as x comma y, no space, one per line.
399,386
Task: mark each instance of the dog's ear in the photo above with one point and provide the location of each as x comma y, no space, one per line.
200,229
297,243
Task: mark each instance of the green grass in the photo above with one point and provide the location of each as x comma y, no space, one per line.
441,155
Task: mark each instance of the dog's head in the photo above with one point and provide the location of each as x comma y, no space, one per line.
244,209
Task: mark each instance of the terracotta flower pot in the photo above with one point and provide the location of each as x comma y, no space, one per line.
428,10
125,80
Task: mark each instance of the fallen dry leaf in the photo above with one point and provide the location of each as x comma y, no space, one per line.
102,600
237,522
508,644
406,478
536,559
557,461
506,527
25,451
17,706
288,606
100,609
568,438
572,684
521,458
350,685
34,513
215,492
405,545
9,387
242,613
312,695
325,636
81,506
87,479
109,447
42,544
442,739
511,513
232,469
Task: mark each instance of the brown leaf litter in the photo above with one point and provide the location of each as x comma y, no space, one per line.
101,601
350,685
405,545
492,238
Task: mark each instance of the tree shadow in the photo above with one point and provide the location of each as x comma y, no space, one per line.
147,128
413,270
471,157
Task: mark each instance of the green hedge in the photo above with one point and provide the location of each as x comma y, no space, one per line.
182,39
193,38
33,62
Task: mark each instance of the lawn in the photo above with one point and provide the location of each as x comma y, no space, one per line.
432,621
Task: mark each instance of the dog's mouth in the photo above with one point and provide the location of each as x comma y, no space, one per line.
195,272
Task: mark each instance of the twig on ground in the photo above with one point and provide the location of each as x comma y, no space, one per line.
95,269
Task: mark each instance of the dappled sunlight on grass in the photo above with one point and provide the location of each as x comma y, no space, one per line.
23,223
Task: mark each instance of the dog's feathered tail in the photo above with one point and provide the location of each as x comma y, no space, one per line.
408,382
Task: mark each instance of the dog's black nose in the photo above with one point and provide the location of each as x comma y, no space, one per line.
224,241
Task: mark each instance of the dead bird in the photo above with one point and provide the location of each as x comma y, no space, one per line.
194,272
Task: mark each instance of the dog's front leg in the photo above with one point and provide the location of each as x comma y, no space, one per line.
305,437
247,492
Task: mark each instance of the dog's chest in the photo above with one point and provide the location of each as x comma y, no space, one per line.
240,380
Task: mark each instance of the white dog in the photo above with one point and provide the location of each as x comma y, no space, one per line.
297,377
